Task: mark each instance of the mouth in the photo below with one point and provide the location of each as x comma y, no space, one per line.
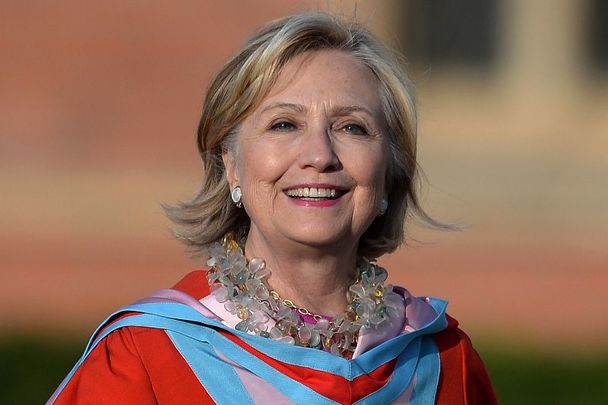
315,193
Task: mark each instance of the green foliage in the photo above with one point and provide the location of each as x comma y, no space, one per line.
558,376
31,367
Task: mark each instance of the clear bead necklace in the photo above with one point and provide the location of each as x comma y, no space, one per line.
243,289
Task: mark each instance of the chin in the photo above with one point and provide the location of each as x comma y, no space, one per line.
320,238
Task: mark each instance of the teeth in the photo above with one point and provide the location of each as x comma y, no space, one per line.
312,192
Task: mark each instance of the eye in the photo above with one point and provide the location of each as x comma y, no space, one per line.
354,129
283,126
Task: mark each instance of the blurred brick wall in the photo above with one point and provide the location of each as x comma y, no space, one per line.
99,103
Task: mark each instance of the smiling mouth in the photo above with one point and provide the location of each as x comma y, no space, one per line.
314,193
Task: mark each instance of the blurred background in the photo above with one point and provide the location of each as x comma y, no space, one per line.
99,103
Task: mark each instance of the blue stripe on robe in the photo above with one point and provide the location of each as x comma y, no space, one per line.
416,350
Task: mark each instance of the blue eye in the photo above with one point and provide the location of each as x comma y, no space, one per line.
283,126
354,129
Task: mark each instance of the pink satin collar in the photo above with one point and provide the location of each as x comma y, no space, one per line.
416,313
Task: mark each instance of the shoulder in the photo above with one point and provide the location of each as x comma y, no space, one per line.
135,364
194,284
113,370
463,377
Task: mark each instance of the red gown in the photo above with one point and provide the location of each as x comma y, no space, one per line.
140,365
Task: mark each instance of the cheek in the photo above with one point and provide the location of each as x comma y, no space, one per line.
370,174
263,159
371,170
258,168
259,171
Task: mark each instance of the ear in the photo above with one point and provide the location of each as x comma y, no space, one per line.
230,165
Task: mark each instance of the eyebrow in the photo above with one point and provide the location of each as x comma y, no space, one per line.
344,110
351,109
288,106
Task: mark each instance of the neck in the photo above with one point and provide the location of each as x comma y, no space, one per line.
314,278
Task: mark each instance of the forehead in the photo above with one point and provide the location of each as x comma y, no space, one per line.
330,75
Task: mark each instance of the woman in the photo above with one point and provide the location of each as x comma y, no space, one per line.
308,143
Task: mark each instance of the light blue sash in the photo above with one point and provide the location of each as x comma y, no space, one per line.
197,339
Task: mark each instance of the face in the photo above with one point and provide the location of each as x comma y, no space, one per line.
311,159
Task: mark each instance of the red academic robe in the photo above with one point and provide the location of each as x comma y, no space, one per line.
139,365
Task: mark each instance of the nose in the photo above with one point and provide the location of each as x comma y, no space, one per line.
317,150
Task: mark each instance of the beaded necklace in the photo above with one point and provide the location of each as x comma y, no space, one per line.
243,289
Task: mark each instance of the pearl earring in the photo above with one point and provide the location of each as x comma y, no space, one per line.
236,194
383,206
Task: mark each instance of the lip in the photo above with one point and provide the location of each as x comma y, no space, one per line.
305,202
320,203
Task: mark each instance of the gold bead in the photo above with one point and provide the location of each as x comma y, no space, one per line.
232,245
379,292
242,313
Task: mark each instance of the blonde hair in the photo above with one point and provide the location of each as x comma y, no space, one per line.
240,86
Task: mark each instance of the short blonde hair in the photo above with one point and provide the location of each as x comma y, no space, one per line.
240,86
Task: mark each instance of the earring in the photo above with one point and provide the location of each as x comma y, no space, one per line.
383,206
236,194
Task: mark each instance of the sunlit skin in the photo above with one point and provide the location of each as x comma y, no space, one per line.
322,127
